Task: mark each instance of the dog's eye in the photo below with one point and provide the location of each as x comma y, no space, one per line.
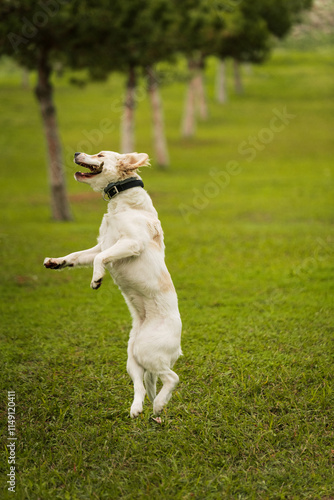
100,156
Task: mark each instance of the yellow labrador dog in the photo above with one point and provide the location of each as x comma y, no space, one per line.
130,246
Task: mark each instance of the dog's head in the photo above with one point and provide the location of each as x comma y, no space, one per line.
108,166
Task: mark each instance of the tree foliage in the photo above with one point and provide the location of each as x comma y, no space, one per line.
115,35
249,26
28,28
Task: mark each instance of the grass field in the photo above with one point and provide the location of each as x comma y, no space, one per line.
250,249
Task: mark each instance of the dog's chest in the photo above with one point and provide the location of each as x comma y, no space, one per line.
110,231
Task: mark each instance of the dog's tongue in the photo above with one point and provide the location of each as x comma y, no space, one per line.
79,176
85,175
94,170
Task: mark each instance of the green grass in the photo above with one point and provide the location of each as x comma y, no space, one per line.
252,417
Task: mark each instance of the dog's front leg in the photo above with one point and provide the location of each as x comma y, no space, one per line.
124,248
82,258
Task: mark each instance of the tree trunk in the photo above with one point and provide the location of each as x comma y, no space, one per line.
248,68
25,78
58,69
201,99
60,207
237,77
159,137
128,118
188,121
221,93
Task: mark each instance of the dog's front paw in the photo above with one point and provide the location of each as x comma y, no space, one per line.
54,263
95,284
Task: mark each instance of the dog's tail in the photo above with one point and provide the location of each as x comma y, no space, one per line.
150,380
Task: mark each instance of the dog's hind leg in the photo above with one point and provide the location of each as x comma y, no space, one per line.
150,384
136,372
170,381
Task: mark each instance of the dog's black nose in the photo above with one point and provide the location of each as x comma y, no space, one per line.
76,154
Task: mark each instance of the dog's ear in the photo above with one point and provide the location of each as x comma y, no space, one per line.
132,161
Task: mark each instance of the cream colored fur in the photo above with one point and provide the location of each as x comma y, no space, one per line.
130,246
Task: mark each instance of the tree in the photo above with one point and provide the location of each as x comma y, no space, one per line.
198,25
221,90
133,37
316,26
281,15
155,19
245,38
160,143
250,26
35,36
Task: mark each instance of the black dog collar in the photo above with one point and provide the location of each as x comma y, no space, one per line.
117,187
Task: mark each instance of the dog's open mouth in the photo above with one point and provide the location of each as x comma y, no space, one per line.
94,170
